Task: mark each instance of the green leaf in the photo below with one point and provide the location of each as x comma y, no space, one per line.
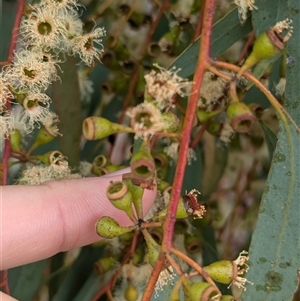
271,139
225,32
274,251
25,280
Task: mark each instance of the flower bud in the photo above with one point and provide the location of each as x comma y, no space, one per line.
43,137
121,197
203,115
107,227
227,272
214,128
268,44
131,293
15,140
137,198
95,128
198,291
104,264
192,244
153,248
171,122
240,117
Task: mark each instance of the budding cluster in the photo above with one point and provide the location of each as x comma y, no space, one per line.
47,29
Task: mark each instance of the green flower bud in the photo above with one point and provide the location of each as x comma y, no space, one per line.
171,122
15,140
228,272
240,117
43,137
107,227
192,244
131,293
269,44
204,116
137,198
153,248
104,264
95,128
198,291
121,197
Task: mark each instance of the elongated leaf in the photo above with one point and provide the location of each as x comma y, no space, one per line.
225,32
274,251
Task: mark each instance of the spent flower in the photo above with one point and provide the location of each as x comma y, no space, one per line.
161,87
243,7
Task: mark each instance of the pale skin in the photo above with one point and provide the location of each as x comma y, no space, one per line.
37,222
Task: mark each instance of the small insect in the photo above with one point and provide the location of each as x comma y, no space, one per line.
191,204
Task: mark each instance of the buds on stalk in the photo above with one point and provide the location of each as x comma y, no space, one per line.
107,227
95,128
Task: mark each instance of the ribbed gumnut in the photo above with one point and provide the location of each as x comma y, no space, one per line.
104,264
15,140
137,197
227,298
240,117
198,291
95,128
120,197
192,243
99,162
50,157
223,271
107,227
142,163
131,293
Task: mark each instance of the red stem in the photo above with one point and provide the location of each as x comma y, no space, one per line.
203,61
7,148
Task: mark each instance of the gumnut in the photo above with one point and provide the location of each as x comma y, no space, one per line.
142,163
240,117
256,109
228,272
192,244
269,44
214,128
113,42
153,248
50,157
198,291
104,264
131,293
120,197
107,227
95,128
157,234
